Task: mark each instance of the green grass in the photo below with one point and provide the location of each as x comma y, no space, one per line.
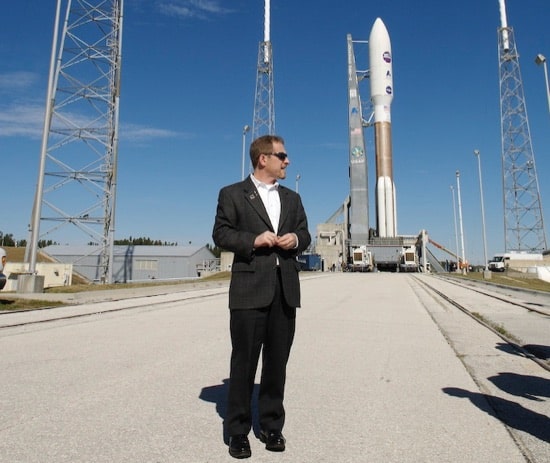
514,279
10,304
10,301
499,328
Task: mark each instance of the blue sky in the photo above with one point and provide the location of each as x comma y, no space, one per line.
188,82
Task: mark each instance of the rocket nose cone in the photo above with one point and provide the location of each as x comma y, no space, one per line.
378,29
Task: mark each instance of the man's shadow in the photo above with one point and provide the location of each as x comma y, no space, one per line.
508,412
541,352
530,387
218,395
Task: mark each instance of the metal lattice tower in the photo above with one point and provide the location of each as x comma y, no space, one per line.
264,101
523,218
77,176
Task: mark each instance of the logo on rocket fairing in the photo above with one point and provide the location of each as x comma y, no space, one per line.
357,151
389,90
386,56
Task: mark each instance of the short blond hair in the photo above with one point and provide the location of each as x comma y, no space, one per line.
263,145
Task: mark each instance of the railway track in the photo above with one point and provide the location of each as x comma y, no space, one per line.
532,301
520,318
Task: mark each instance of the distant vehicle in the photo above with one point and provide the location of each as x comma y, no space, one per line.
310,262
361,260
497,264
501,262
408,261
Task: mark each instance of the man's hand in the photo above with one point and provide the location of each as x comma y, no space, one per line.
266,239
270,239
287,241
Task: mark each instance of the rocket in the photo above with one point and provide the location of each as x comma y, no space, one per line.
381,91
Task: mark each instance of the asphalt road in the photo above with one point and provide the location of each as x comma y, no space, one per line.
381,371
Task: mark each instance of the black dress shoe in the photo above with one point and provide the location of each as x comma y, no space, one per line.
273,440
239,446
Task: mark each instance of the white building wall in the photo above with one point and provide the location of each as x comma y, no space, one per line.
55,274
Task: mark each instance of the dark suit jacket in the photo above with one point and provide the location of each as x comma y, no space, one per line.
240,217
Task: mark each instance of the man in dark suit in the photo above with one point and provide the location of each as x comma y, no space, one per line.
264,224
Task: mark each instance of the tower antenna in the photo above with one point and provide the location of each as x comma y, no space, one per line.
264,100
523,217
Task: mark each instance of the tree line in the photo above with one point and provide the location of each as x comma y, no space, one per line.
7,239
143,241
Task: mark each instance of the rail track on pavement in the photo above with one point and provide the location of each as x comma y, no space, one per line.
519,317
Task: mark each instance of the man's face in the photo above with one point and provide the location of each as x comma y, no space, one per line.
276,167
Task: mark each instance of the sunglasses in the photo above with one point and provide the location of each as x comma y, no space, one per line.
281,156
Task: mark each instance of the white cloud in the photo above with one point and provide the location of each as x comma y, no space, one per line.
176,10
27,120
17,80
24,120
200,9
133,132
210,6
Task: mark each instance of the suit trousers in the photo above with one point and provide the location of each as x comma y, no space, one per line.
271,329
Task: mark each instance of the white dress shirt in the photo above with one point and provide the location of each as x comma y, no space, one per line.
270,198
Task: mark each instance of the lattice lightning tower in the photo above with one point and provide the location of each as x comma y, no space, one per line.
264,101
78,164
523,217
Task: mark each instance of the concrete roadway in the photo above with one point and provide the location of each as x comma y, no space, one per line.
381,371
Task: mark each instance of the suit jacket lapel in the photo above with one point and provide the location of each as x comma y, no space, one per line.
283,195
253,197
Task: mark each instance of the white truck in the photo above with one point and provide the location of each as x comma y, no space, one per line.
408,261
361,260
517,260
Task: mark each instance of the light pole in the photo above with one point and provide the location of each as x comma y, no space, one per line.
486,269
541,59
456,232
298,177
464,266
246,128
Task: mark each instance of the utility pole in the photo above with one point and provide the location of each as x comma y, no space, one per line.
541,59
456,231
464,264
246,128
486,273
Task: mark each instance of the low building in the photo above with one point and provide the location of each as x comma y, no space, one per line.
136,263
54,273
330,244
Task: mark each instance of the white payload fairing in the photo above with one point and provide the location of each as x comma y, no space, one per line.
381,90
